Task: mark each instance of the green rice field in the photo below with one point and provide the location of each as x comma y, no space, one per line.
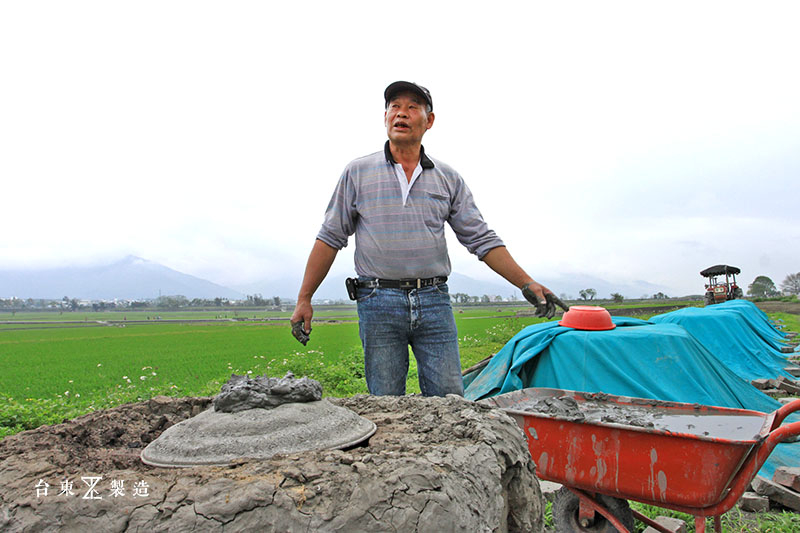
55,366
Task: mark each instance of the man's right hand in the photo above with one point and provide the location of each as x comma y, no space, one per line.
301,321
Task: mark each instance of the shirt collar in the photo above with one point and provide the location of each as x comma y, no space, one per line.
424,160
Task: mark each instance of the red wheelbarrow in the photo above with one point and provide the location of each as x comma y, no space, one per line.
607,449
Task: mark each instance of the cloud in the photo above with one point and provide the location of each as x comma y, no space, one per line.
628,140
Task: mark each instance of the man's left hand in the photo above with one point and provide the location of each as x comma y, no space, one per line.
546,303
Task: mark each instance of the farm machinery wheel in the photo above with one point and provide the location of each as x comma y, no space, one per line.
566,510
708,299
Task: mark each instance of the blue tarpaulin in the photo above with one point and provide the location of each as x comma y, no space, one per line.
755,318
731,339
637,358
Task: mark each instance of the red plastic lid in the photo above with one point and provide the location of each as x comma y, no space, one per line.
589,317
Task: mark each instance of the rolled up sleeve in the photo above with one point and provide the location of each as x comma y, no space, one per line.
340,216
468,224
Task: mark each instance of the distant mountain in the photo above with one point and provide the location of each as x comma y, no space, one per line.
137,278
130,278
286,287
333,287
570,284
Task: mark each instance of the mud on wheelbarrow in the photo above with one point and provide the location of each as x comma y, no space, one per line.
607,449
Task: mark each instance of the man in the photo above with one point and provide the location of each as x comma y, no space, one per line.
396,202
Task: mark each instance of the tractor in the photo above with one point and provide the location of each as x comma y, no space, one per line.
721,291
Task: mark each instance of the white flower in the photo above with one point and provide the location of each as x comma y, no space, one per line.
143,378
99,364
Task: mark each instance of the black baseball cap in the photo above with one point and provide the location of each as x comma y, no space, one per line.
400,86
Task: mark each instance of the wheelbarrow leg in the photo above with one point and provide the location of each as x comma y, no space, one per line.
700,524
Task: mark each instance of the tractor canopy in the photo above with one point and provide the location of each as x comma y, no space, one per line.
719,270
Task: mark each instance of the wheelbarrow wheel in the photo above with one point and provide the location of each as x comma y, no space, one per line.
565,513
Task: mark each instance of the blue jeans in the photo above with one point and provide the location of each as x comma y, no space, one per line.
391,320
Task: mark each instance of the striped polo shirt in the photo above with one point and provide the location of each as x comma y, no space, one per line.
396,241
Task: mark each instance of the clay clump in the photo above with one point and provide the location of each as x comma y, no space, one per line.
242,392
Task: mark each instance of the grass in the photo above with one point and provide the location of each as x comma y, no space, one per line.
789,320
734,521
61,371
153,315
57,371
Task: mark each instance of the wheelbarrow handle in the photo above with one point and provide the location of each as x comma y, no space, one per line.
784,433
755,461
783,412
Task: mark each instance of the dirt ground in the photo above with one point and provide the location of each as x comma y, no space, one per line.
779,307
434,464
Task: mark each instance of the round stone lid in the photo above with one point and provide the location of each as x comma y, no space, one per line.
215,438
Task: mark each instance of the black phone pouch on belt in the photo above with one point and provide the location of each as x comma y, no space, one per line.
352,285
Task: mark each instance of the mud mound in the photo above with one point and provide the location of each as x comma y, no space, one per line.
103,440
434,464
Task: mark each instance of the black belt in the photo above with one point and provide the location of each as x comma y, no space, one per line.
402,283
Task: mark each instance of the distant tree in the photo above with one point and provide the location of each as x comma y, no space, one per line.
485,299
588,294
617,297
172,302
276,301
660,296
74,304
791,284
257,300
498,298
463,298
762,287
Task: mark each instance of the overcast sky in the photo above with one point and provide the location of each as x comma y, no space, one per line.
627,140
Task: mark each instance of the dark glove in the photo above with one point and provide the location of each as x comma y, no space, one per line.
546,308
299,333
